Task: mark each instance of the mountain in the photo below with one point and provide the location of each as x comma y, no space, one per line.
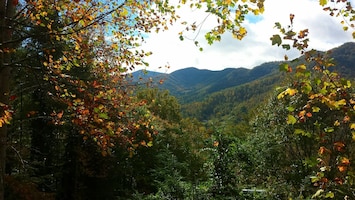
231,92
191,84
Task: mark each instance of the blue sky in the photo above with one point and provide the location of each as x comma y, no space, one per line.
325,33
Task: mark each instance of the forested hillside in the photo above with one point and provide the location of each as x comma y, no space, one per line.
235,93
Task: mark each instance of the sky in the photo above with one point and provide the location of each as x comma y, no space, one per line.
325,32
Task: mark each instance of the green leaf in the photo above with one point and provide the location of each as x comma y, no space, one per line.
330,194
318,193
329,129
299,131
302,132
278,25
291,119
276,39
317,81
283,67
290,108
307,88
286,46
103,116
96,110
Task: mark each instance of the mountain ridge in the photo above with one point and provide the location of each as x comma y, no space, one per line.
206,93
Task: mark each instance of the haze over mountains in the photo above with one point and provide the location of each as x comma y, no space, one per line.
205,93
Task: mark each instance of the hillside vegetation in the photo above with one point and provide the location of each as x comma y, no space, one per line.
235,93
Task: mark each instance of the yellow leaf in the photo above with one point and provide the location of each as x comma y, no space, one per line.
301,68
315,109
291,119
77,47
242,31
124,12
323,2
114,46
150,144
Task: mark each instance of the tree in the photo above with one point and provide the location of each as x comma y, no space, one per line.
127,21
320,110
7,11
69,22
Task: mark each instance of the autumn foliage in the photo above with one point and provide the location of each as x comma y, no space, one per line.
66,97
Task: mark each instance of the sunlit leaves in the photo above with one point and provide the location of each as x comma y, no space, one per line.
101,38
322,109
5,118
288,91
230,16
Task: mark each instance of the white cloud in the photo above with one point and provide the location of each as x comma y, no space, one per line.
325,32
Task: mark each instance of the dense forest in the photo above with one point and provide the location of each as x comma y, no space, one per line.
74,124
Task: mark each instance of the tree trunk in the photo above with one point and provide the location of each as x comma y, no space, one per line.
7,9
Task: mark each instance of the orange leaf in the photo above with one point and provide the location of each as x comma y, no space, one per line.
323,150
301,113
342,168
215,143
339,146
60,115
345,161
346,119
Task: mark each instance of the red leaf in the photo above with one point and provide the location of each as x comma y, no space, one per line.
13,97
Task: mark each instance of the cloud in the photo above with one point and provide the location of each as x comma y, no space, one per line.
325,33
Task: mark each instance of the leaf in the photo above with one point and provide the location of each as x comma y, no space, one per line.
103,116
276,39
283,67
302,132
329,129
150,144
278,25
286,46
301,68
318,193
339,103
290,108
342,168
291,92
299,131
345,161
315,109
314,179
323,2
291,119
124,12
